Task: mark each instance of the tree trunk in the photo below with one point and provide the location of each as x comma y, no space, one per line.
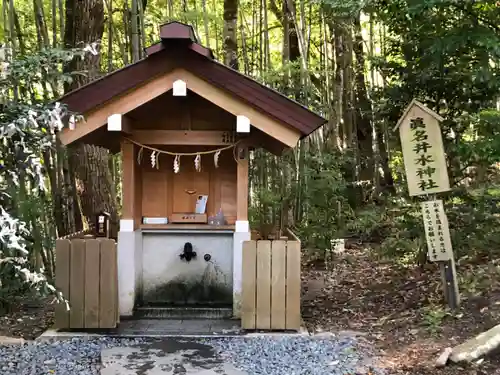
363,111
337,139
61,20
110,35
205,22
84,25
65,199
244,50
142,32
5,14
290,36
230,33
126,33
20,38
74,216
286,35
12,34
387,181
267,52
170,8
135,31
216,31
54,23
293,38
96,189
40,17
348,97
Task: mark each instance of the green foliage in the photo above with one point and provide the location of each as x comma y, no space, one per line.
433,317
266,203
481,145
326,200
474,220
17,277
344,8
446,54
27,127
397,227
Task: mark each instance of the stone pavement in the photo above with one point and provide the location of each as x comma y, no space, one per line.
166,356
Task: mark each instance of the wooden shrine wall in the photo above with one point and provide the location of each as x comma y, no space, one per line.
161,192
165,192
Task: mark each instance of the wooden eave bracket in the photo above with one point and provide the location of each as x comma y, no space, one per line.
124,123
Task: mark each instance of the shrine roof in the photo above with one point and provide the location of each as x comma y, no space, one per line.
179,49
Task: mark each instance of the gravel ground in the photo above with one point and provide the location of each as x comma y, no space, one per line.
67,357
296,355
264,355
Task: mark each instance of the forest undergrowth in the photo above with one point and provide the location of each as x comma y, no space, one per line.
383,287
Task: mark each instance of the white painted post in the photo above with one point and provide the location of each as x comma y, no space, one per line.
238,238
127,267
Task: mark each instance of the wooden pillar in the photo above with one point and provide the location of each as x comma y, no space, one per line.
131,184
242,184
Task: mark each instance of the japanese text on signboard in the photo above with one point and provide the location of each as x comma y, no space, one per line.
424,160
436,230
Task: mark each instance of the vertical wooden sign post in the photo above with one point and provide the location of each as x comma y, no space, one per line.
427,175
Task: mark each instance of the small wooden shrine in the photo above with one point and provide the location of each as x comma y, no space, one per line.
184,125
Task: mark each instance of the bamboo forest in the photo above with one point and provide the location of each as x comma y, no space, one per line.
345,190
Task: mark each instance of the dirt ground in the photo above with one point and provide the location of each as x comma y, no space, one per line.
27,319
401,310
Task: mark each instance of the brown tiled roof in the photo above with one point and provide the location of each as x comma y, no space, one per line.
179,48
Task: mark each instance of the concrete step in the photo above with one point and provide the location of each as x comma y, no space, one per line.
183,313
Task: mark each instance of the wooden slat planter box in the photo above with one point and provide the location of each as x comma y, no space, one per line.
271,285
87,275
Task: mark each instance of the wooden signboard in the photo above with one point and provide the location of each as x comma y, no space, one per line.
437,234
423,150
426,173
437,231
189,218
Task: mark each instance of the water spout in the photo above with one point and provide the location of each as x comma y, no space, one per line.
188,252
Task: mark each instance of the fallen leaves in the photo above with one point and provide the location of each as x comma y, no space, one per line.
27,319
390,304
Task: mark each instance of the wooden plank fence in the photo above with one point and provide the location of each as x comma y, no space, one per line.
271,285
87,275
